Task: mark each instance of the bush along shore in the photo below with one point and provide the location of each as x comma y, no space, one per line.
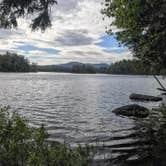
21,145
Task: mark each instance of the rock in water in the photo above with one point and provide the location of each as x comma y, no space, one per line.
135,96
132,110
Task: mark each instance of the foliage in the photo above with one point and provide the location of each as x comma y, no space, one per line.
24,146
158,137
83,68
132,67
142,27
11,62
11,10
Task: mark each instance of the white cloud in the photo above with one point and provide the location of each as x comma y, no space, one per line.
76,26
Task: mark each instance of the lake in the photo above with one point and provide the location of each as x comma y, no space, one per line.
77,108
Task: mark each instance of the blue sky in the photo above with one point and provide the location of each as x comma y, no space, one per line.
27,48
108,41
77,34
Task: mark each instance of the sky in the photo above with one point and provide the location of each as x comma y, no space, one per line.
77,34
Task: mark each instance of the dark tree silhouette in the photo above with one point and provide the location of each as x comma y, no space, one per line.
130,67
11,10
11,62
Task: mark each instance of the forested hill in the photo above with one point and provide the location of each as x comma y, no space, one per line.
10,62
76,67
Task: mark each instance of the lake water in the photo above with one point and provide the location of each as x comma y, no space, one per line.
77,108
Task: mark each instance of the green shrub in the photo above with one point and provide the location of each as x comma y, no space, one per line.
21,145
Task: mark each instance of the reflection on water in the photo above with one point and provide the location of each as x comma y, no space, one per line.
149,147
78,108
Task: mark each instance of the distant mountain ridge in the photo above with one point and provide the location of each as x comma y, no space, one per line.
75,67
71,64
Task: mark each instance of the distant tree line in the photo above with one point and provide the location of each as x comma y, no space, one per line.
11,62
84,69
134,67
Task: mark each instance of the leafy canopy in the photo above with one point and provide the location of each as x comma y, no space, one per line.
142,27
11,10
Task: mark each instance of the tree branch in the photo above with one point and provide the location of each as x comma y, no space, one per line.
162,86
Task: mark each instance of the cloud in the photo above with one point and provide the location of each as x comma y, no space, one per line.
28,48
67,6
77,34
74,38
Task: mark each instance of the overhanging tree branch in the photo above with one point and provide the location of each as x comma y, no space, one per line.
11,10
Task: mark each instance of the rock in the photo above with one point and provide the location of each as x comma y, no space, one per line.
132,110
135,96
